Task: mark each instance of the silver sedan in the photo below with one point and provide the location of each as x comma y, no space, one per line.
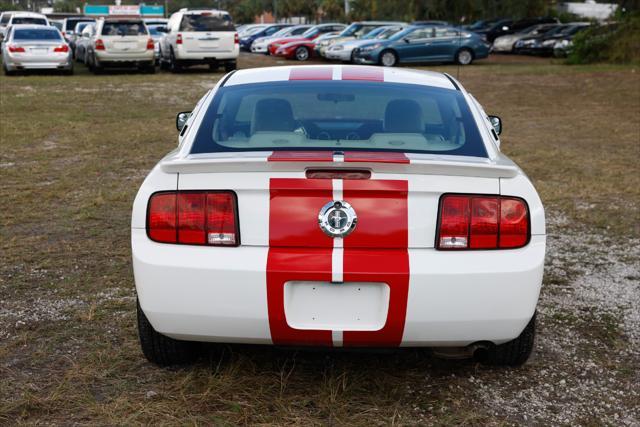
35,47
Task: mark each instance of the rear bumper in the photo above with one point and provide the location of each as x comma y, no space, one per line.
220,294
44,62
204,57
137,57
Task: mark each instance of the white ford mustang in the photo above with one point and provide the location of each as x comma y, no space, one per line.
342,206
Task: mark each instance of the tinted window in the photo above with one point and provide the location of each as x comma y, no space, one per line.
81,26
27,20
153,30
339,115
207,22
132,28
36,34
71,23
5,18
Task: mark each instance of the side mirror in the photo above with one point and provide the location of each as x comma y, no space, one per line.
496,122
406,40
181,119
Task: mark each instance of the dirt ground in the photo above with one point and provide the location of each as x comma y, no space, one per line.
74,151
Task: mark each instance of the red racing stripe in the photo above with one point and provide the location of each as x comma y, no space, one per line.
301,156
375,157
298,250
377,251
373,74
311,73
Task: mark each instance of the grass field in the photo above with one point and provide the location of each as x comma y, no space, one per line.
74,151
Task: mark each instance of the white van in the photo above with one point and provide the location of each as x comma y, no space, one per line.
199,36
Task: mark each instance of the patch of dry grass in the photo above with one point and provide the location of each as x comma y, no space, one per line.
75,150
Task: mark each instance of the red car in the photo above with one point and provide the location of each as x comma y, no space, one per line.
300,50
311,34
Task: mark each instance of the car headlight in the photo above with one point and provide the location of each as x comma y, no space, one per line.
370,47
519,43
548,43
563,43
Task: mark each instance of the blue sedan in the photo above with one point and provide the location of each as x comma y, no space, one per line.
424,44
247,40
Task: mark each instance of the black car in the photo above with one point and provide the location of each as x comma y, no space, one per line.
543,45
508,26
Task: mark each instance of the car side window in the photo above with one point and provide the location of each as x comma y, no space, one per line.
419,34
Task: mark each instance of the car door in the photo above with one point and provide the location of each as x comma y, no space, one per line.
444,44
413,46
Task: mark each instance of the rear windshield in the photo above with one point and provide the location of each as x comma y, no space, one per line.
339,115
207,22
28,20
129,28
71,23
36,34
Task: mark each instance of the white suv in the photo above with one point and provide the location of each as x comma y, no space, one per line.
121,42
199,37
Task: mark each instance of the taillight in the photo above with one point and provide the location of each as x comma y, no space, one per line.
194,218
16,49
482,222
99,44
236,38
150,45
179,39
61,48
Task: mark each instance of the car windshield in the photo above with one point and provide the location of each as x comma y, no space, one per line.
388,33
311,32
130,28
81,26
373,34
339,115
36,34
153,30
28,20
350,30
71,23
207,22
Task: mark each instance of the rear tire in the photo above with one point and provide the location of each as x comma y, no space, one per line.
7,72
464,57
230,66
162,350
388,58
174,65
512,353
302,53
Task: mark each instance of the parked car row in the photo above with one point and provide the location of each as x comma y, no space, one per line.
188,37
385,43
542,39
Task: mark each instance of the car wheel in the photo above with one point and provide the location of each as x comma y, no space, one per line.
97,69
464,57
230,66
511,353
68,72
388,58
174,65
7,72
160,349
302,53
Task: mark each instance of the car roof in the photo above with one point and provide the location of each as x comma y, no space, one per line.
27,14
365,73
33,27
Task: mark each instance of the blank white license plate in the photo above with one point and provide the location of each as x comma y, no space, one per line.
336,306
124,45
